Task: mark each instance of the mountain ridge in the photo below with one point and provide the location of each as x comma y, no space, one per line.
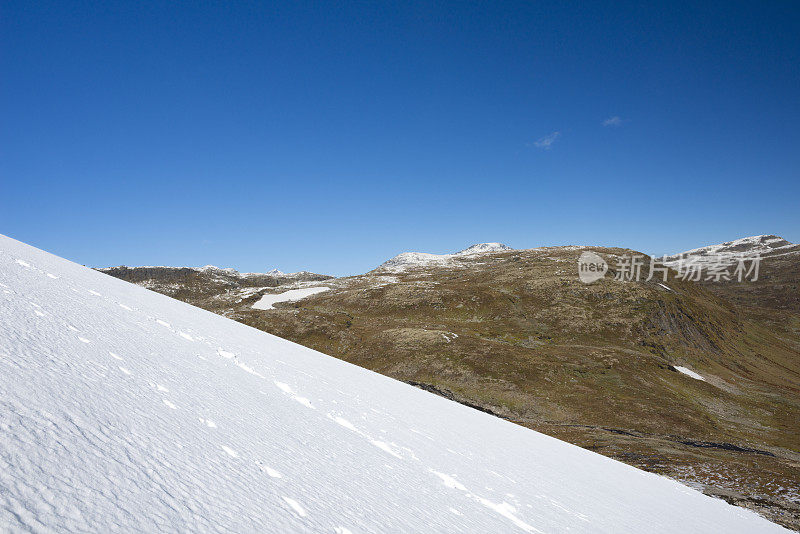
766,244
411,260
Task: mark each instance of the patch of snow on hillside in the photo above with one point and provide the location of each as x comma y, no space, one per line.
689,372
88,447
266,302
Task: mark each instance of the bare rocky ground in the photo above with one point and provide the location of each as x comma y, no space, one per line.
516,334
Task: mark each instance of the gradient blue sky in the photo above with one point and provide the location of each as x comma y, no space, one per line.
331,136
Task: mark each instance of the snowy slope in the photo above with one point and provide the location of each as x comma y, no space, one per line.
124,410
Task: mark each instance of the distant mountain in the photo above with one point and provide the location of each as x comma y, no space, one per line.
482,248
204,286
698,381
778,285
413,260
763,245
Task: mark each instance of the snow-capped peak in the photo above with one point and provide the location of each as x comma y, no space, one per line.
745,246
407,260
275,272
214,268
482,248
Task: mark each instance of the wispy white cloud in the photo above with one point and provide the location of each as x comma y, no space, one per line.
612,121
547,141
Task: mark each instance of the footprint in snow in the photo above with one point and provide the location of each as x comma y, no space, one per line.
208,422
246,368
286,388
342,530
304,401
386,448
225,354
115,356
124,307
163,323
72,328
54,277
125,371
344,422
449,481
380,444
83,339
170,405
296,508
269,471
24,263
37,312
95,293
186,336
232,453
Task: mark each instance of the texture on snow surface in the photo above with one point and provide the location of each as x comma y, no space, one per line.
125,410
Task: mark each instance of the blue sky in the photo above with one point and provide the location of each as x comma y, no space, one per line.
331,136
